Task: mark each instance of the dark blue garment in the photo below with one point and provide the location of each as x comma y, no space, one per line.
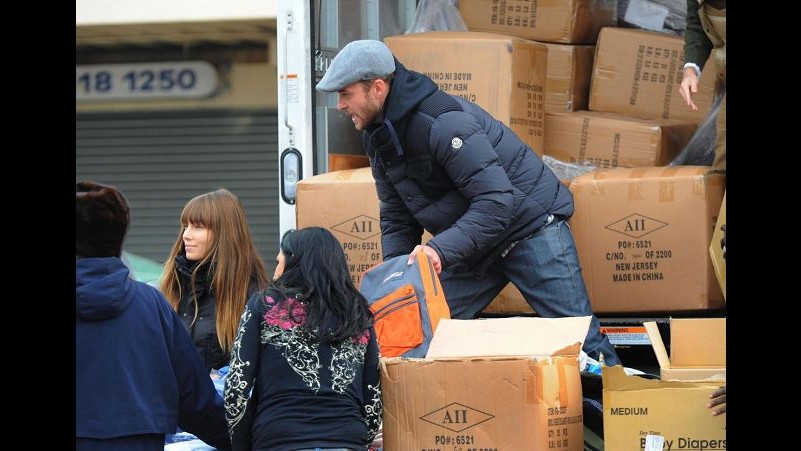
445,165
497,213
545,268
138,375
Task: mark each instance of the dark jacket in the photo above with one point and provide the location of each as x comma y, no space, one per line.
443,164
202,329
305,393
136,369
697,45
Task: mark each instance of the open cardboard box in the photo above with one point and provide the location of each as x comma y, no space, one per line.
501,383
697,349
676,411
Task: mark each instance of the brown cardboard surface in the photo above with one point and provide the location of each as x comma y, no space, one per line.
569,72
615,140
503,74
565,21
509,301
345,202
697,349
338,162
715,249
504,383
638,72
516,336
698,342
643,236
510,403
635,407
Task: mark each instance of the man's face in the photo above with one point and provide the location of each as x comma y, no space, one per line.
361,102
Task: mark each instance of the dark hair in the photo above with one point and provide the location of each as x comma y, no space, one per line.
102,216
316,274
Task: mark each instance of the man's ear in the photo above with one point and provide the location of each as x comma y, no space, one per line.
381,87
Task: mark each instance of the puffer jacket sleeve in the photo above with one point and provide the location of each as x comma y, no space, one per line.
400,232
462,148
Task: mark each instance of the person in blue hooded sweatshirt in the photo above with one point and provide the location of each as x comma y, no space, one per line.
138,376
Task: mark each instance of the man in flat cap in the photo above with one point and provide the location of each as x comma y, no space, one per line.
441,163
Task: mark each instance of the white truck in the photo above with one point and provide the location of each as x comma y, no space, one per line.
310,33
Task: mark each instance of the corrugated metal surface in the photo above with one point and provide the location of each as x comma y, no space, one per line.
160,160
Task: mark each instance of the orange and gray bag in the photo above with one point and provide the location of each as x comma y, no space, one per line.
407,302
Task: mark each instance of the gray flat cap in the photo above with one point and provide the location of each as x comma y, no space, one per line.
359,60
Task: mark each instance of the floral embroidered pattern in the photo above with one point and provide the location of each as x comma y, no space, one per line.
297,344
268,331
345,360
372,411
237,391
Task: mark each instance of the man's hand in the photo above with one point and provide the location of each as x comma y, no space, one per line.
718,398
688,87
433,257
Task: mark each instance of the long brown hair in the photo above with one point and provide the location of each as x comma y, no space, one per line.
232,256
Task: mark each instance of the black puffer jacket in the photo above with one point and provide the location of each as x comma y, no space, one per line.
444,164
203,329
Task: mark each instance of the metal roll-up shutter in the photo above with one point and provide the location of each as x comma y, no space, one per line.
160,160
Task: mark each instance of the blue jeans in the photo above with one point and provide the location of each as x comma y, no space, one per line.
545,268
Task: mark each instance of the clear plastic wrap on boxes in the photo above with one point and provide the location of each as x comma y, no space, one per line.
437,15
566,171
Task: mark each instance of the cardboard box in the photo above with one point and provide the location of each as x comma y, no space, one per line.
615,140
697,349
564,21
569,73
509,301
676,411
346,203
638,73
505,75
497,384
340,161
643,237
716,250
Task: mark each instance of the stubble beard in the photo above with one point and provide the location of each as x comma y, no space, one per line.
370,114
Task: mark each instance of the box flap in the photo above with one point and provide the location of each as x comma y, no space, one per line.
516,336
614,378
657,344
698,342
717,373
359,175
459,36
715,249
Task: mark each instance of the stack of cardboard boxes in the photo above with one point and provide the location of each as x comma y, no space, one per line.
574,87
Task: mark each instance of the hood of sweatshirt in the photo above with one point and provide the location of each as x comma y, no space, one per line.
103,288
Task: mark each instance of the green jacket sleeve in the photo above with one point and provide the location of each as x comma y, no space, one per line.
697,45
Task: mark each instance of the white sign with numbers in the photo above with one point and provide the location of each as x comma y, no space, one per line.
173,79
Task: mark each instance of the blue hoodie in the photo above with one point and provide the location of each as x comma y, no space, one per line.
138,375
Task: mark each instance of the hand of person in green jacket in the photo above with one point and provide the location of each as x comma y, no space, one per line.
718,398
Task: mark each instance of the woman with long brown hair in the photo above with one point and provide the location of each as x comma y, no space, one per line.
212,270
